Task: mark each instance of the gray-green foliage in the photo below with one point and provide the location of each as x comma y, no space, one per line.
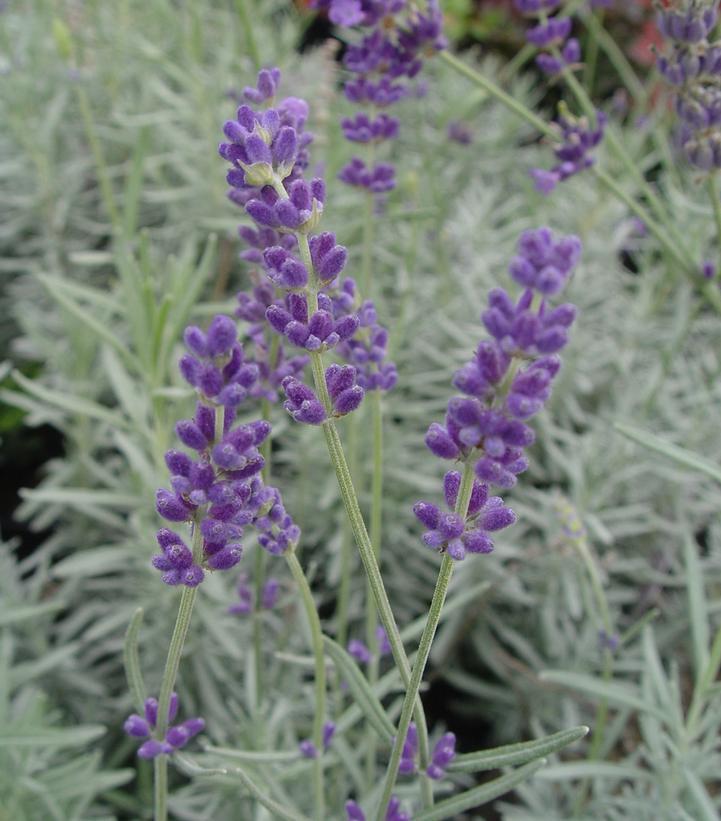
104,318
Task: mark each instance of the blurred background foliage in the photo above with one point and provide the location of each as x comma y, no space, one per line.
116,232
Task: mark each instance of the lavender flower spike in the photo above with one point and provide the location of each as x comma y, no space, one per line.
506,383
177,736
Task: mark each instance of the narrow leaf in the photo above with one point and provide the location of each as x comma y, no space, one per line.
30,612
684,457
513,754
278,810
131,660
451,807
361,690
51,737
592,769
69,402
704,804
614,691
697,607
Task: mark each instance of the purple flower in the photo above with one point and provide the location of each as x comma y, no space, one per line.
460,133
302,403
443,753
452,533
378,180
328,733
393,813
244,605
486,427
359,651
693,67
269,593
308,749
407,764
218,489
384,646
577,138
345,394
177,736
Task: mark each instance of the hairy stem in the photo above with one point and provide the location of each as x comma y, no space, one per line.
375,534
317,641
424,648
180,632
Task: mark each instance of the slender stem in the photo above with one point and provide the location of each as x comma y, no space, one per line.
182,623
496,91
617,58
375,534
317,640
589,71
618,149
424,648
347,543
266,450
367,259
713,194
360,534
175,651
671,243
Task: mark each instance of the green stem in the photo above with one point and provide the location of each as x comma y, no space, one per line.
367,260
350,502
346,555
247,25
713,195
619,150
617,58
375,534
496,91
424,648
589,71
182,623
317,640
666,233
175,651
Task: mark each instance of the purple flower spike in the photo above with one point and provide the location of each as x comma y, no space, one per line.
176,736
485,428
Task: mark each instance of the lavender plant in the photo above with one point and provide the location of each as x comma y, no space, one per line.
533,605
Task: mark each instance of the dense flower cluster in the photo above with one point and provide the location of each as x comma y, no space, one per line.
505,384
395,36
693,67
220,491
552,34
177,735
577,137
299,299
